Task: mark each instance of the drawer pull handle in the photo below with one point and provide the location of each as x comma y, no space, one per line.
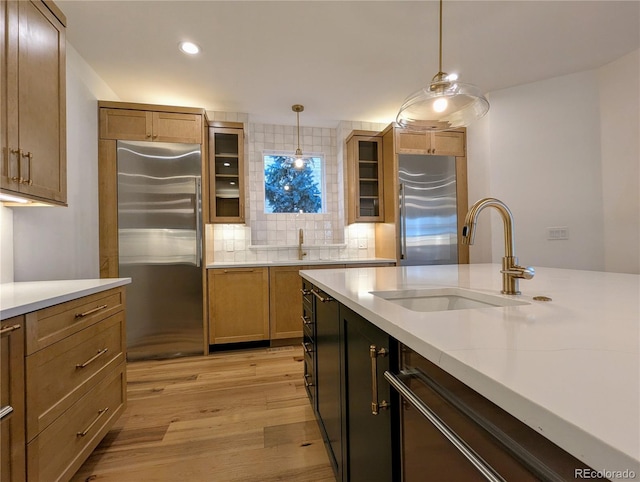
93,358
6,410
305,291
306,349
91,312
306,320
374,353
9,329
95,420
306,383
321,298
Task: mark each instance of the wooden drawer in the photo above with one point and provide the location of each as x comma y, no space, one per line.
57,376
58,452
50,325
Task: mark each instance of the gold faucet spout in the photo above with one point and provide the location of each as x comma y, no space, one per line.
301,254
511,271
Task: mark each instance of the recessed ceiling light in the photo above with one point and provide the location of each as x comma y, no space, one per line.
189,48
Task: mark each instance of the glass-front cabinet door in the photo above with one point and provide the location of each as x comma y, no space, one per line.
226,174
364,179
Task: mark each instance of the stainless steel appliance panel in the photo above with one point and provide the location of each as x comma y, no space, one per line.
160,247
428,215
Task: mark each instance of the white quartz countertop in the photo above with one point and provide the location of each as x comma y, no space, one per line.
298,262
569,368
27,296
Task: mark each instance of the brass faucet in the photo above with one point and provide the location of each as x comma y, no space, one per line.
511,272
301,254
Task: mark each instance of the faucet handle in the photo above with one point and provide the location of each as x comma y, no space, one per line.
520,272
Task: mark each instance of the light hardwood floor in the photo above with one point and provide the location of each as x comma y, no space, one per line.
232,416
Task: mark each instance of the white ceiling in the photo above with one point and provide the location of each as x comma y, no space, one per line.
343,60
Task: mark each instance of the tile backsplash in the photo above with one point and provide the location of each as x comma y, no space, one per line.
274,237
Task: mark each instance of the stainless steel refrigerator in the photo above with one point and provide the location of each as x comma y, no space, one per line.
160,247
428,216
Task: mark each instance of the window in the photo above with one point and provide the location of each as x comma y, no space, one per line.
289,189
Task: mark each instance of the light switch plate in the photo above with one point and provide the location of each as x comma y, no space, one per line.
558,233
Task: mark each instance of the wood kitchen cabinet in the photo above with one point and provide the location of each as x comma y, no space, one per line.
364,186
226,172
446,143
285,302
33,101
238,305
75,381
147,125
12,402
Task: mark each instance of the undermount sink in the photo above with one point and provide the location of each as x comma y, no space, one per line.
444,299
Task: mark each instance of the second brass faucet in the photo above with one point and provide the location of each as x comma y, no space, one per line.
301,254
511,271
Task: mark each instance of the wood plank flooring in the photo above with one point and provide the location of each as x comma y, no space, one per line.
231,416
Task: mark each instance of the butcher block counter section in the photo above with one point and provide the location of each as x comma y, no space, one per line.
566,364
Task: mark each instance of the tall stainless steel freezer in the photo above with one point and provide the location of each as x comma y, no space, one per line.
428,215
160,247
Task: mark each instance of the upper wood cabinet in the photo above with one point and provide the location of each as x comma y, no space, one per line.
33,101
447,143
145,125
226,172
364,178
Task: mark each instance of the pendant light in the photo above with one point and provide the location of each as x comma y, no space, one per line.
298,163
443,104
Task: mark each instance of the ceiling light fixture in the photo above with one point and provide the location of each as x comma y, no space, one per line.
443,104
189,48
298,163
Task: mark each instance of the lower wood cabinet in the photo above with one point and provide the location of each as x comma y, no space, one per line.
285,302
12,448
238,305
64,375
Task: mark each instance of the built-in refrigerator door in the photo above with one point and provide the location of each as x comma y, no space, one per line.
428,215
160,247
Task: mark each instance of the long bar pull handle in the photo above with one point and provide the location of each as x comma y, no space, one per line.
9,329
322,299
29,155
95,420
305,291
483,467
198,207
91,312
306,348
18,179
93,358
306,320
374,353
403,224
6,410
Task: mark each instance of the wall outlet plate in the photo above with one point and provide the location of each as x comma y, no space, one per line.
362,244
558,233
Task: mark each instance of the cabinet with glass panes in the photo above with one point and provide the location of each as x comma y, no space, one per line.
364,178
226,172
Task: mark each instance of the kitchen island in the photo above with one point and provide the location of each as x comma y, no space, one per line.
569,368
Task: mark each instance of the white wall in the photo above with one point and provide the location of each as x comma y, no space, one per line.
6,245
619,112
56,242
556,153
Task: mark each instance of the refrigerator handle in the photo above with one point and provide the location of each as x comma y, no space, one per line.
403,224
198,202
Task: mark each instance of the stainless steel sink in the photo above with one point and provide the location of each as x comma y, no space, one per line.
445,299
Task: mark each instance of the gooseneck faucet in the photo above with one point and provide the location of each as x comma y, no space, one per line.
301,254
511,272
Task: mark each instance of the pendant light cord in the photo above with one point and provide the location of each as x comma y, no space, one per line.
298,124
440,55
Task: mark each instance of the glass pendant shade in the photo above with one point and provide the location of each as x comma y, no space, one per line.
442,105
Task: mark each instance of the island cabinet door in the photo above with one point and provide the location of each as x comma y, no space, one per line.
370,410
328,366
